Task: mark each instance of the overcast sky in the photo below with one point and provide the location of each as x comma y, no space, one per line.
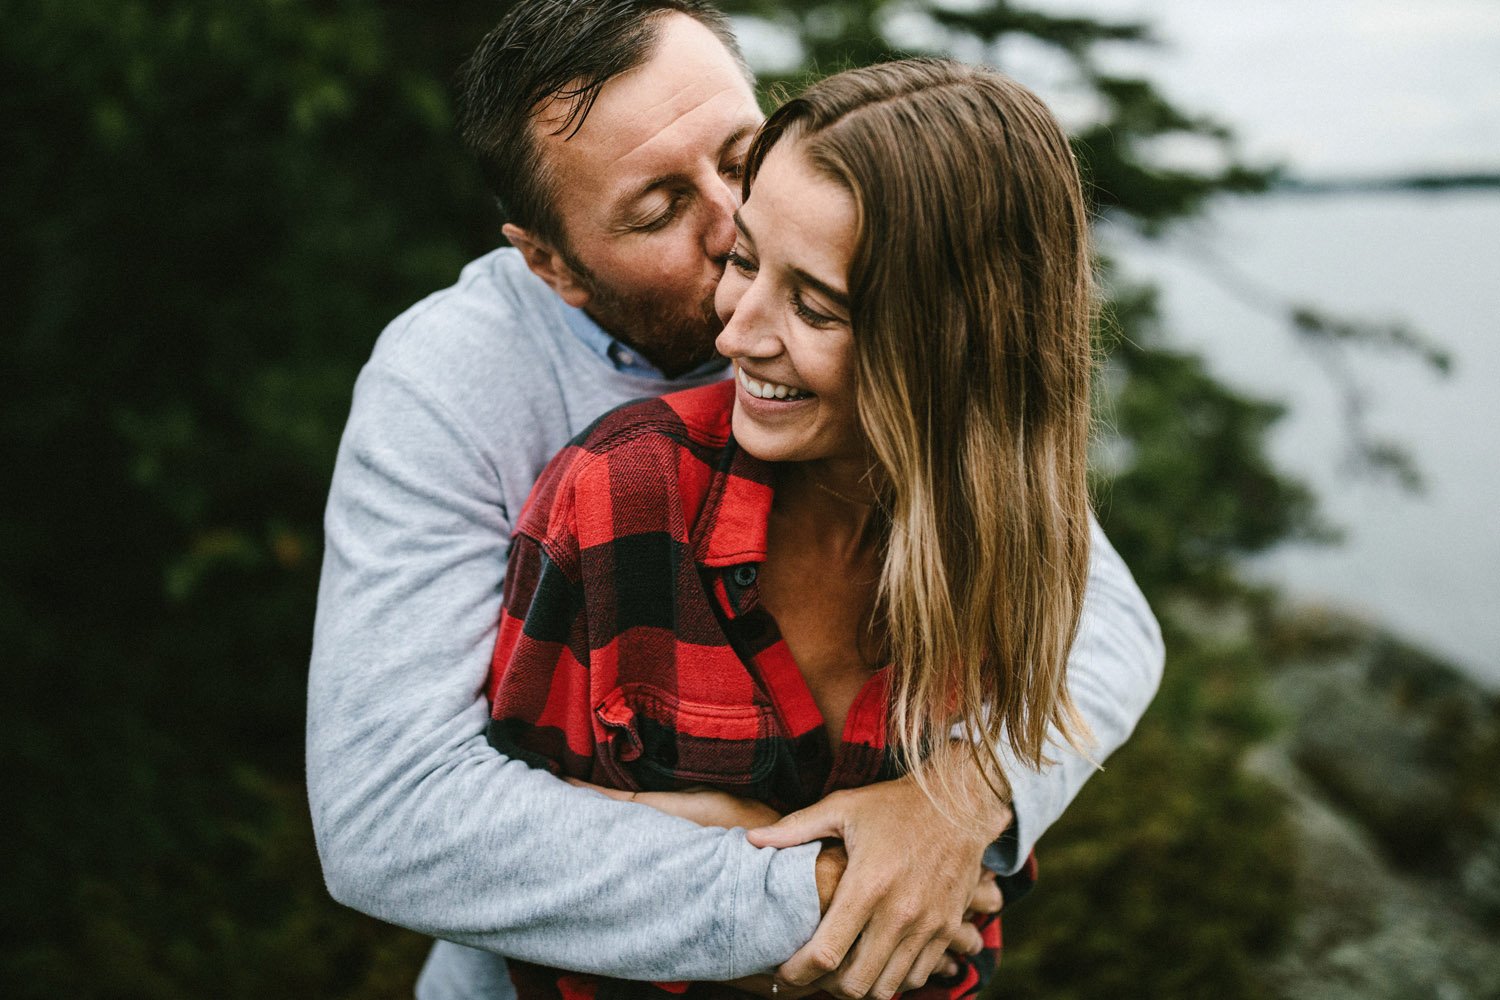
1337,86
1328,87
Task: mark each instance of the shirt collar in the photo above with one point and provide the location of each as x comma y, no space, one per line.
731,526
622,357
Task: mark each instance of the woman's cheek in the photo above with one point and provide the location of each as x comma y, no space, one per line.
727,295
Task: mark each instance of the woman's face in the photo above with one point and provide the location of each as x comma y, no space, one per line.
784,302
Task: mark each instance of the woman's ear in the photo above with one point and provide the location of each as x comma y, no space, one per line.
547,263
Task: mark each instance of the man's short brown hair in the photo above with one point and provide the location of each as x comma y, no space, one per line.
554,49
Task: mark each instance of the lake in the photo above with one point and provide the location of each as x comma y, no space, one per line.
1427,564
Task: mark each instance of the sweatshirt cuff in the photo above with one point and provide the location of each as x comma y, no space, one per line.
1003,856
776,907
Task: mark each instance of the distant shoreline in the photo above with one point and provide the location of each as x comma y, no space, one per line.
1438,183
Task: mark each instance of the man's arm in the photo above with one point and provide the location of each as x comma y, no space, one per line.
418,820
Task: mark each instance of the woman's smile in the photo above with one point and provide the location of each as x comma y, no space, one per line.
765,389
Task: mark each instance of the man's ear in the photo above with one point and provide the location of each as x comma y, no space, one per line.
548,264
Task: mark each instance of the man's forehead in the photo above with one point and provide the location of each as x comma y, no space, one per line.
619,128
683,102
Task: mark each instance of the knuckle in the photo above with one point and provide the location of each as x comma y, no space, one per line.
909,912
824,959
909,918
854,986
925,930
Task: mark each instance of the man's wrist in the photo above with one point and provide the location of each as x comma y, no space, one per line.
827,870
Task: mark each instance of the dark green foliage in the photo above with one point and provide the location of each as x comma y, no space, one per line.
211,208
210,211
1169,873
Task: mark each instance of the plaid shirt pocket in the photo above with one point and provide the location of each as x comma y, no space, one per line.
656,741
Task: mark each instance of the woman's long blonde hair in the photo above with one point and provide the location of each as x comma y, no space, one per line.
971,291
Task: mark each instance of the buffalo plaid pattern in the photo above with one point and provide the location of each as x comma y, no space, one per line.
633,651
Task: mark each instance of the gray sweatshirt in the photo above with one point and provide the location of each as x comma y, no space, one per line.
418,820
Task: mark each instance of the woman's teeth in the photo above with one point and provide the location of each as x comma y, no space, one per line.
769,390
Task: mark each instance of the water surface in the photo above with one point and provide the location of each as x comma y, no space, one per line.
1428,564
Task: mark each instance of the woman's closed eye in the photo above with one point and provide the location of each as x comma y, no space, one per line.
811,316
736,259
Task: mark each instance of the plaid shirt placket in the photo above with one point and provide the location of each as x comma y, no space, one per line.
633,651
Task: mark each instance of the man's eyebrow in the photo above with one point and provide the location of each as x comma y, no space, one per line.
665,180
735,138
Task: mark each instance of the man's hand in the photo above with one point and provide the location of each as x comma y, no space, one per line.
909,883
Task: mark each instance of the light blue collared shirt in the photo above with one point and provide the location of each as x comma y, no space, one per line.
622,356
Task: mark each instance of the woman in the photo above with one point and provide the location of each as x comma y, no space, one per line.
802,579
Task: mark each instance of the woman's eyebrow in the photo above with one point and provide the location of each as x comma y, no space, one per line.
840,299
739,224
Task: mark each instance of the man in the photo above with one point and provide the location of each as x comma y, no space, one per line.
612,132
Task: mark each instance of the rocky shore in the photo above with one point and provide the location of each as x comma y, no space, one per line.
1390,762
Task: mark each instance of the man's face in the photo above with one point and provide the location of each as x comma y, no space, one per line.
647,189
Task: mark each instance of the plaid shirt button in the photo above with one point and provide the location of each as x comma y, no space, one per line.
744,576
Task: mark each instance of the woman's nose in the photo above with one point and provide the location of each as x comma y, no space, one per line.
749,330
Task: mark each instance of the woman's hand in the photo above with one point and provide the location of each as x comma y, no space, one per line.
704,806
761,986
711,807
910,881
986,899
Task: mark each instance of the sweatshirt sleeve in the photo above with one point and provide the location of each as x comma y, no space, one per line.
419,821
1114,670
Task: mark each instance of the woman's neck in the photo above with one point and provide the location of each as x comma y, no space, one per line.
829,505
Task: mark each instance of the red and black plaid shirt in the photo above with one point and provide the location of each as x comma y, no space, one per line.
634,653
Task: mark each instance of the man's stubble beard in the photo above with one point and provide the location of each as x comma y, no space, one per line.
675,344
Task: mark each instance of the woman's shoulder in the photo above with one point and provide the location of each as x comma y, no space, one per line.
645,466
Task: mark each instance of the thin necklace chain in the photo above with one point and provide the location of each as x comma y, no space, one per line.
835,493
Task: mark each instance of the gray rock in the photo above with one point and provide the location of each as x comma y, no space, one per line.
1406,745
1480,877
1366,929
1388,760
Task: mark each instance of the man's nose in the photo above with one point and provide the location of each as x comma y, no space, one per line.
723,201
